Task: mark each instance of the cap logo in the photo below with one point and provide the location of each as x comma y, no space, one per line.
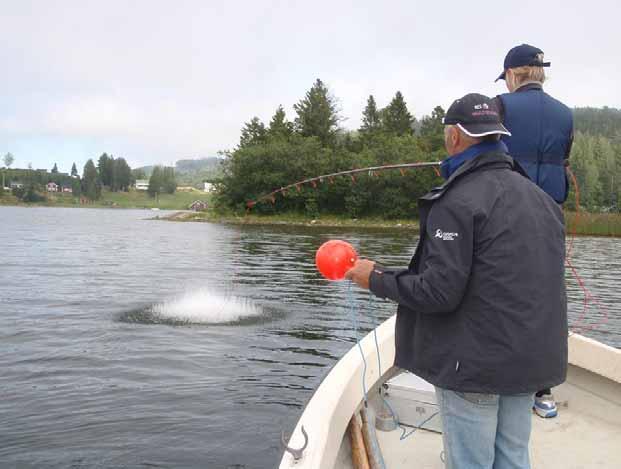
481,106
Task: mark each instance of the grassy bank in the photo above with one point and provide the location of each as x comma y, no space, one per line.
292,219
587,224
594,224
131,199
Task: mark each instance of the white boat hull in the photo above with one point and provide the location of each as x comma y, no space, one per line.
586,434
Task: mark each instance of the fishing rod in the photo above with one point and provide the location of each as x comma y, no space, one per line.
371,170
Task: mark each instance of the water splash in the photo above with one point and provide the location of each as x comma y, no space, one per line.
198,307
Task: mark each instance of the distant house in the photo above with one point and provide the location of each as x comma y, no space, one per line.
67,190
208,186
198,206
52,187
142,184
185,189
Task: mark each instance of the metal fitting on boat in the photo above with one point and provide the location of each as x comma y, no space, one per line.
296,453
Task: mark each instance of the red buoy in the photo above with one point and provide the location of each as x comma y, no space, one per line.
334,258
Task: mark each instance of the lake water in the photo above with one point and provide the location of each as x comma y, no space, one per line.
133,343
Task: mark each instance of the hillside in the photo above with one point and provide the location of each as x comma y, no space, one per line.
604,121
209,164
192,172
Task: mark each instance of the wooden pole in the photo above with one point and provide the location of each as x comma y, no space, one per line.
359,457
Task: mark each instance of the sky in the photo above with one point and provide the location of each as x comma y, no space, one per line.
156,81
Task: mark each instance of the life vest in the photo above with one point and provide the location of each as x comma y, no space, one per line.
541,132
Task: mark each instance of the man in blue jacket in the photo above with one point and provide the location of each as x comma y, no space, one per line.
486,278
541,127
541,138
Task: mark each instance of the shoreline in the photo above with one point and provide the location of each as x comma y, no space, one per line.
339,222
288,220
602,225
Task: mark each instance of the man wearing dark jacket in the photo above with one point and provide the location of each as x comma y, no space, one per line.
486,279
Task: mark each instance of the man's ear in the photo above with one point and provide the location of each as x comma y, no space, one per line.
455,137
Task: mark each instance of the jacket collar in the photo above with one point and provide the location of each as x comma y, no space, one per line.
529,86
451,163
484,160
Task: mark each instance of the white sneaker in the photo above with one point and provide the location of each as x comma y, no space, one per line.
545,406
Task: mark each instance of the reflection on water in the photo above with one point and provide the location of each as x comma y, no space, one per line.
91,378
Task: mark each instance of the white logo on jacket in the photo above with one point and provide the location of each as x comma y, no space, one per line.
445,235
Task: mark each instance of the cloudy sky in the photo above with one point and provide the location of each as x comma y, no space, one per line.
160,80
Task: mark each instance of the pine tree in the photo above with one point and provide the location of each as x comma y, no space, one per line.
371,121
155,182
585,168
122,174
253,133
279,126
91,185
104,165
76,186
55,169
74,171
169,183
604,159
432,130
396,117
317,114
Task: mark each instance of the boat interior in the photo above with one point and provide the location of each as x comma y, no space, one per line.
337,429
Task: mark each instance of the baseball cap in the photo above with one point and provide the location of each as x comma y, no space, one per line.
522,55
476,115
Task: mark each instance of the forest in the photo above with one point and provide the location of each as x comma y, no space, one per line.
278,153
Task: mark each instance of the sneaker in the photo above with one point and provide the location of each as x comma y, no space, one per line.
545,406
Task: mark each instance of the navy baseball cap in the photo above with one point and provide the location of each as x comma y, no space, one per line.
476,115
520,56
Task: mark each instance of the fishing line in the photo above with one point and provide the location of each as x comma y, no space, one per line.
579,324
403,428
351,307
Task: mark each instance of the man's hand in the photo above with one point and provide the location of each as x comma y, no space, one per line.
361,272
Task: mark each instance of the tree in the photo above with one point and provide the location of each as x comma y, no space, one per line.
252,133
587,174
317,114
76,186
29,194
74,171
162,180
432,130
104,165
8,160
122,175
155,181
138,174
396,117
279,126
169,184
604,159
371,121
91,185
55,169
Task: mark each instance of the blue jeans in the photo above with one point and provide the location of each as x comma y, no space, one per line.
485,431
